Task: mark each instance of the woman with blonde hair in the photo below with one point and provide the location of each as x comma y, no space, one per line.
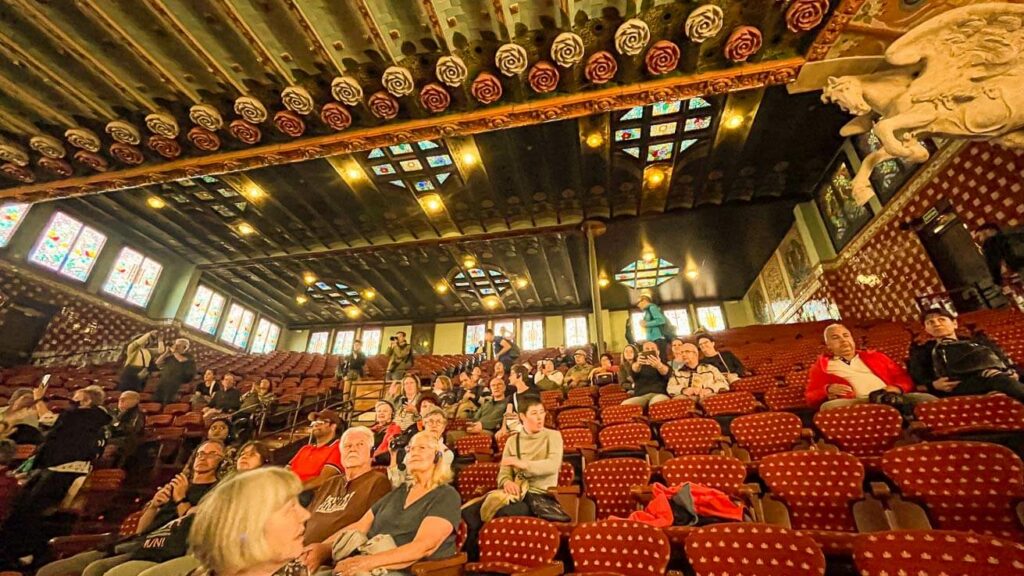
250,525
419,517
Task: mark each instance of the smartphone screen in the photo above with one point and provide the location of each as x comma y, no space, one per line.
45,382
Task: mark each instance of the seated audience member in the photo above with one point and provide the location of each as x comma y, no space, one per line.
205,390
547,377
433,421
76,439
952,366
605,372
171,502
384,429
421,516
689,377
519,379
846,376
563,358
252,455
128,428
726,362
473,391
626,377
487,418
20,419
650,376
530,462
316,462
426,401
177,367
445,392
343,500
405,395
498,371
227,400
579,374
251,525
259,398
138,363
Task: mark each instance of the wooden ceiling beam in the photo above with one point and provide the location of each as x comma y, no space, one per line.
161,222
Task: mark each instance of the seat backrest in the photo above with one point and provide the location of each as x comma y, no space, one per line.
789,397
620,414
966,414
674,409
745,548
754,384
766,433
566,474
477,478
723,473
964,485
472,443
690,436
576,437
576,417
818,488
865,430
619,547
936,552
608,482
635,434
520,540
726,403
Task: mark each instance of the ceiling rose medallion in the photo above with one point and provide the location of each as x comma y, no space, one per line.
297,99
632,37
743,43
57,166
486,88
383,105
347,91
336,116
511,59
126,153
398,81
804,15
251,109
451,70
162,124
14,154
567,49
601,67
245,132
92,160
704,23
83,138
435,98
289,123
203,139
19,173
166,147
662,58
123,132
206,116
543,77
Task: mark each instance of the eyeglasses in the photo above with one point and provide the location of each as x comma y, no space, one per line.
209,455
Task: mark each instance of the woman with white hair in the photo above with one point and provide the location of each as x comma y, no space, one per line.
420,516
250,525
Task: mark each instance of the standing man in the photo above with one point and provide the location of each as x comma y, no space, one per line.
177,367
500,348
138,362
351,367
399,357
654,324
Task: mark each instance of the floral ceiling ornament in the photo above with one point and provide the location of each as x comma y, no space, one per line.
662,57
435,98
57,166
486,88
126,153
398,81
14,154
92,160
297,99
336,116
166,147
567,49
206,116
83,138
203,139
47,146
804,15
245,132
632,37
383,105
251,109
289,123
451,70
511,59
543,77
162,124
124,132
601,67
19,173
704,23
743,43
347,91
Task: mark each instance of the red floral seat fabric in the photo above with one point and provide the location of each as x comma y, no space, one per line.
971,414
864,430
723,473
477,479
728,403
935,553
473,443
624,436
573,438
766,433
620,414
756,385
608,482
576,417
619,547
690,436
786,398
515,544
745,549
674,409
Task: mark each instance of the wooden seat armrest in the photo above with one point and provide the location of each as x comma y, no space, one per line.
550,569
752,489
642,494
673,573
881,490
724,440
807,434
66,546
444,567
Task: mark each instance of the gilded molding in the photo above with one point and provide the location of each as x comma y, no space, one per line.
829,35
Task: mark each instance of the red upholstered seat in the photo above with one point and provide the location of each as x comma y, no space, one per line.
864,430
674,409
474,443
609,483
690,436
159,420
972,486
619,414
551,399
515,544
607,400
728,403
786,398
723,473
756,385
745,549
477,479
619,547
634,436
576,417
935,552
575,438
970,414
766,433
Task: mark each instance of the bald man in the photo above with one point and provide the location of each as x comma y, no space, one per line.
846,376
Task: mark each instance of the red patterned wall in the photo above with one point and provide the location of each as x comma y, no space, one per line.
983,182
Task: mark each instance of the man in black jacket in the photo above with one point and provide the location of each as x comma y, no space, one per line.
127,428
950,374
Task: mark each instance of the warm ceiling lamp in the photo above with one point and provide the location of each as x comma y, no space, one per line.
522,282
692,274
308,278
353,173
492,302
369,294
468,261
441,287
432,203
648,256
603,281
301,299
734,121
353,312
655,176
469,158
246,229
155,202
253,192
595,140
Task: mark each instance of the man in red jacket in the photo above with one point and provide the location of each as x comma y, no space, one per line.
846,376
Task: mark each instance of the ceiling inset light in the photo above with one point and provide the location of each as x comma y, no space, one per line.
692,274
308,278
595,140
469,158
431,203
469,261
155,202
522,282
353,173
369,294
441,287
734,121
655,176
492,302
603,281
246,229
301,299
648,256
253,192
353,312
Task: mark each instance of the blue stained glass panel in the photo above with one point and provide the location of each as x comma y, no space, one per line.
340,286
685,144
439,161
427,144
375,153
476,273
424,185
633,151
443,176
213,313
56,241
698,103
401,149
123,273
699,123
323,285
627,134
383,169
11,216
660,152
145,282
83,254
634,113
665,108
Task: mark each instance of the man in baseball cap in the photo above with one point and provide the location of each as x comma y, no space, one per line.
319,460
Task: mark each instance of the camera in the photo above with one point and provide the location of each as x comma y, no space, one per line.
393,339
398,443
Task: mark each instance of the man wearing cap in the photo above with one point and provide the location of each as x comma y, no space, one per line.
579,374
952,366
846,376
653,323
319,460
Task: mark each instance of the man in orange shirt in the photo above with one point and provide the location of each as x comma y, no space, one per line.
319,460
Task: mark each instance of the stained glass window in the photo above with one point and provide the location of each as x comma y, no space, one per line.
398,183
244,329
665,108
710,318
411,165
627,134
404,165
11,216
401,149
680,318
533,334
384,170
439,161
427,144
576,331
698,103
375,153
133,277
266,337
651,133
424,185
318,342
206,309
660,152
343,342
698,123
634,113
69,247
371,341
685,144
640,274
232,323
442,177
666,129
632,151
505,328
474,335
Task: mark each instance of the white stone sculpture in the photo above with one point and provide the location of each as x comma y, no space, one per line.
960,75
